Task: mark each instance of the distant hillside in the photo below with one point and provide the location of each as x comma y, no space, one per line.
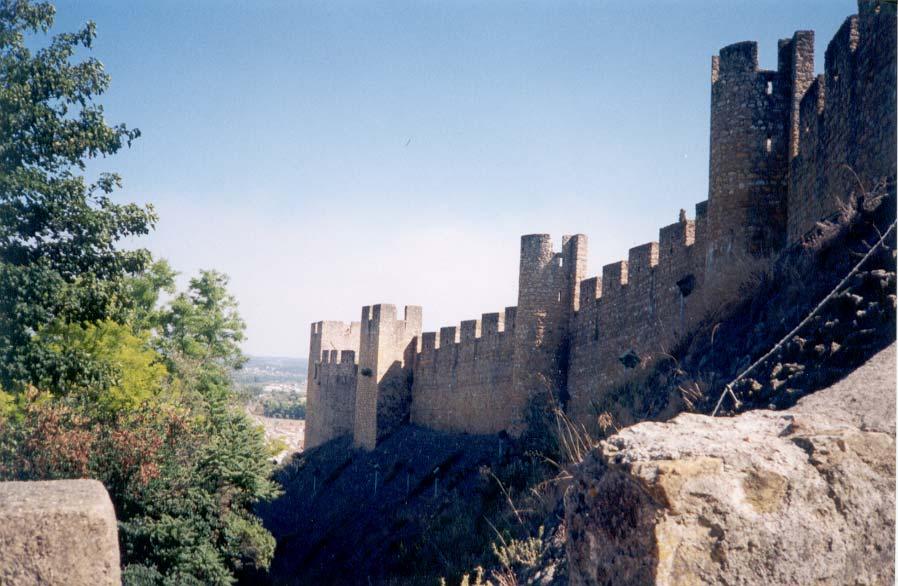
265,370
285,363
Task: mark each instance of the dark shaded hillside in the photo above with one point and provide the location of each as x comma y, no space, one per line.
845,332
427,512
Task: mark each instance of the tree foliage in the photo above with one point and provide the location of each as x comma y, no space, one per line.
98,378
59,259
203,323
144,292
183,486
284,408
124,371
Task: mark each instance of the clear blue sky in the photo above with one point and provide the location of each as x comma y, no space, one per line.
328,155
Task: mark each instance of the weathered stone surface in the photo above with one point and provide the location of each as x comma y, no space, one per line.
803,496
57,532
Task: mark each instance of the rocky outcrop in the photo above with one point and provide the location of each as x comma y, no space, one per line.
801,496
57,532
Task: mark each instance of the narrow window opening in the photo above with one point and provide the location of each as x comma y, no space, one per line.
769,87
561,261
768,144
559,296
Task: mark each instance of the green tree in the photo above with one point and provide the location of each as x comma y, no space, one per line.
144,292
203,323
125,371
59,259
200,528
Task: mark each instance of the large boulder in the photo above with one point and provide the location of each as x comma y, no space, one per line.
57,532
801,496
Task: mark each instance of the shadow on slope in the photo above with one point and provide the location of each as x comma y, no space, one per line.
420,521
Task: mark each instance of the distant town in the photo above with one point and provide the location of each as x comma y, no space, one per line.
273,374
273,390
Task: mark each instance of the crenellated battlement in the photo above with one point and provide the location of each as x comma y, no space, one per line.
615,277
641,260
342,357
674,253
590,291
750,136
469,338
785,145
470,331
387,351
448,336
489,326
841,49
333,335
374,317
492,324
675,237
327,340
470,365
335,380
738,58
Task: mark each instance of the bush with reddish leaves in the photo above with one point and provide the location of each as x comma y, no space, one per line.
182,483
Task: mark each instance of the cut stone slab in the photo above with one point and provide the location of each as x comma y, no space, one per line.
57,532
800,496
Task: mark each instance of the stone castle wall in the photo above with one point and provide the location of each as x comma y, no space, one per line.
325,396
463,380
387,354
337,375
480,378
641,306
548,296
786,148
748,154
846,120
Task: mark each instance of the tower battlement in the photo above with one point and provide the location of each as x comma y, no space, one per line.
738,58
328,413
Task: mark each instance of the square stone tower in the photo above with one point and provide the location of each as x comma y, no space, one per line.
386,356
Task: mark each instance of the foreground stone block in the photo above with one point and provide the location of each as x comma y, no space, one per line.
802,496
57,532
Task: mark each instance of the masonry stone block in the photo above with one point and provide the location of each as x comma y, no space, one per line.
59,532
